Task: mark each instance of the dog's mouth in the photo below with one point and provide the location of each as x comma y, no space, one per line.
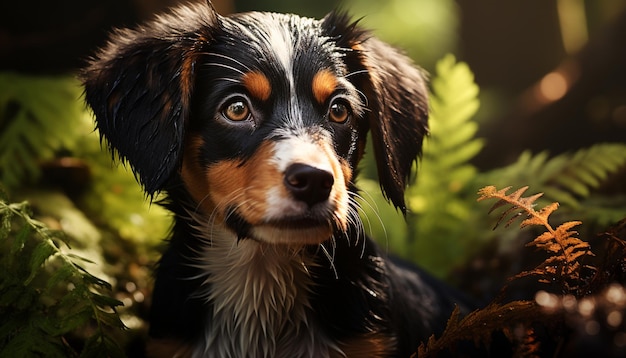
297,230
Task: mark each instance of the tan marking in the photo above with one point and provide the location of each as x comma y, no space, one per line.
258,85
245,185
357,46
186,80
324,84
231,183
341,170
373,345
193,174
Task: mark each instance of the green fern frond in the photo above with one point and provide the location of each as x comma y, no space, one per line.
454,101
38,116
445,167
566,178
47,288
436,206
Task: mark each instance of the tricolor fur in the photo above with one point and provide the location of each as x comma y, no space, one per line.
253,126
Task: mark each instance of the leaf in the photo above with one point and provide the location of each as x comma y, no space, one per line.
61,275
33,342
31,108
564,248
479,325
101,346
71,321
64,297
566,178
20,238
436,208
40,254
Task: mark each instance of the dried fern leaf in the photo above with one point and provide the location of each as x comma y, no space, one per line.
519,205
479,325
564,248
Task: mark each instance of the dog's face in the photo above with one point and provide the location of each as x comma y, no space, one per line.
261,117
274,135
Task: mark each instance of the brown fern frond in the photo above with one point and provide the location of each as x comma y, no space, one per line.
541,216
518,204
565,249
479,325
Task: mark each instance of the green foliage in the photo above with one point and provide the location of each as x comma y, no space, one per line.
436,204
437,207
45,294
48,296
116,199
42,118
567,178
38,117
443,227
425,29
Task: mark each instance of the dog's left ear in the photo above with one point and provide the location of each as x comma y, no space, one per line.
397,102
140,85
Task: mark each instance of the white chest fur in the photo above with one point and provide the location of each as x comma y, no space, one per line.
260,299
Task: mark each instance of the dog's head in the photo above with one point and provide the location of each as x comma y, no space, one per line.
262,117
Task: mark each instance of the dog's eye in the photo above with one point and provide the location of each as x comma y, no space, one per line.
236,110
338,112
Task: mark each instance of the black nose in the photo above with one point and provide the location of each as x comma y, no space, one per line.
308,184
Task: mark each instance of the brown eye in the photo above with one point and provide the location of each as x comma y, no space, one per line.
237,110
338,112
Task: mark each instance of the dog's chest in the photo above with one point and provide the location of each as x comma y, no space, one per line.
259,299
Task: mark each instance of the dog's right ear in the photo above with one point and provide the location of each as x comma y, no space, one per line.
396,96
140,85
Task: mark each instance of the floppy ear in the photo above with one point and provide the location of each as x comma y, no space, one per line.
398,114
397,101
139,87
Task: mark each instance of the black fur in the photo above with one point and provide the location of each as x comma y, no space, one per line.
150,90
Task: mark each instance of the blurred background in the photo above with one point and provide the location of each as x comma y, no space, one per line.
510,46
549,79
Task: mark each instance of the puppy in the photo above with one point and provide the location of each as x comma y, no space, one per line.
253,126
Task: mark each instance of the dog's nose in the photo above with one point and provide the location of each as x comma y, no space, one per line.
308,184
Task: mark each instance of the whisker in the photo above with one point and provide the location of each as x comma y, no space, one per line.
351,223
228,58
234,80
331,259
374,209
355,73
363,96
217,64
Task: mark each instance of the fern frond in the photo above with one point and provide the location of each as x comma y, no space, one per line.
454,101
564,248
479,325
434,203
45,287
38,116
566,178
518,205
